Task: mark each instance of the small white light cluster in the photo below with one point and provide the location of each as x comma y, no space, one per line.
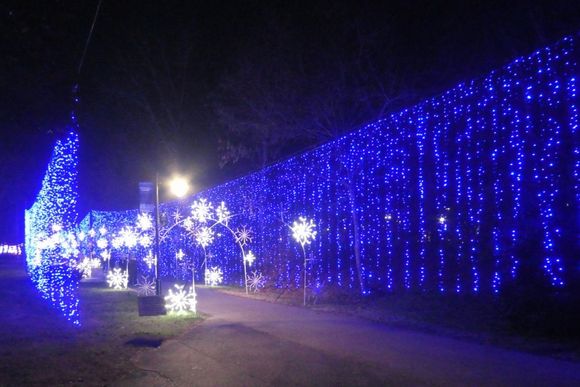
11,249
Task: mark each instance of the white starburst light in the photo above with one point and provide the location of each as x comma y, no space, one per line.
145,286
303,231
243,236
181,301
179,255
117,279
256,281
103,230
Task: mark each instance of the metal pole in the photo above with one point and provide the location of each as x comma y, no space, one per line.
304,290
157,280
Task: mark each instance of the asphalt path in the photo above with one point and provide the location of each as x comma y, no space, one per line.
247,342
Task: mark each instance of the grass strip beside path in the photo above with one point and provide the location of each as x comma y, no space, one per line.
37,346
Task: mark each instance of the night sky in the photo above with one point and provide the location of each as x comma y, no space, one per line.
141,49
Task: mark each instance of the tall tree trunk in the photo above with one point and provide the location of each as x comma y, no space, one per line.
356,229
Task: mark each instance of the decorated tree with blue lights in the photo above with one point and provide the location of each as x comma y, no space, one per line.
51,246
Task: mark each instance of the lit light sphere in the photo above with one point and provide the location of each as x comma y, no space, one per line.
179,186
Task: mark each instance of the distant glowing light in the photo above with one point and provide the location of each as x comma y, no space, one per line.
179,186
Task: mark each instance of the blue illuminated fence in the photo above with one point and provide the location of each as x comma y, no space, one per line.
469,191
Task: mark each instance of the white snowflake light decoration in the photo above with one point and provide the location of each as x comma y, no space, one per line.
188,224
144,222
181,301
129,238
106,255
223,214
149,259
256,281
249,258
214,276
303,231
117,242
243,236
81,235
145,241
118,279
85,267
103,230
179,255
204,236
102,243
201,210
145,286
92,233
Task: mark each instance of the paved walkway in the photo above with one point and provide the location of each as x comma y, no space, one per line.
248,342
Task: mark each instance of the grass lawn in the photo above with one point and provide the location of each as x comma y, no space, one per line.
38,347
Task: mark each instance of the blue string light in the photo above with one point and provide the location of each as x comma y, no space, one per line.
455,194
55,209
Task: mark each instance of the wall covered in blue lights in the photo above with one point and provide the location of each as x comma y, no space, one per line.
50,249
467,192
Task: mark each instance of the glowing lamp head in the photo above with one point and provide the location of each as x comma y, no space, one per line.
179,186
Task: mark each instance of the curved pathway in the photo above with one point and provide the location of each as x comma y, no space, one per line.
247,342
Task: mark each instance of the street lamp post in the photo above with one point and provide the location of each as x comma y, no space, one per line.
157,280
178,187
